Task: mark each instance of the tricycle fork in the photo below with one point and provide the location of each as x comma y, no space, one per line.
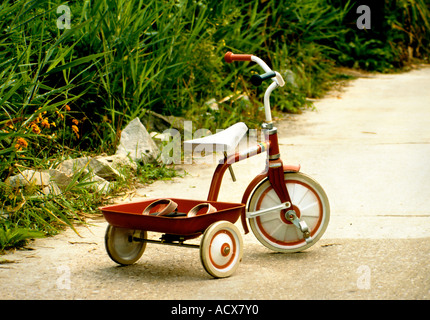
275,166
277,181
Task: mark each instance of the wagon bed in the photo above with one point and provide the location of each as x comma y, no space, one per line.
130,216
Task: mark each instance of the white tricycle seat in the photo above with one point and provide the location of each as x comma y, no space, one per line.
223,141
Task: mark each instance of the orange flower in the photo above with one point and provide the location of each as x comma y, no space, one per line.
59,115
75,121
21,143
35,128
67,107
45,123
75,130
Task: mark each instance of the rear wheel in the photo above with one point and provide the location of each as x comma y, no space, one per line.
310,203
121,247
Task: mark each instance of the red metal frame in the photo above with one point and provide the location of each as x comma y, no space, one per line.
274,172
129,215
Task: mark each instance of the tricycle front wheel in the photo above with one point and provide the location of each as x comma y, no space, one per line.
221,249
121,247
310,203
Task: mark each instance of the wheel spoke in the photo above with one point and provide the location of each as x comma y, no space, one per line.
290,234
311,221
271,226
274,197
269,217
275,230
299,234
308,210
297,203
291,188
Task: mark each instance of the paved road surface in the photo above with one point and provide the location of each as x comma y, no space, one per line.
369,147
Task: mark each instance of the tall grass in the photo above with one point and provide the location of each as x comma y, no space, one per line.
168,58
399,34
41,76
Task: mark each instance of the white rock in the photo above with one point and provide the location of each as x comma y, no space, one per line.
96,166
33,177
100,170
52,189
100,184
26,177
117,161
61,179
136,142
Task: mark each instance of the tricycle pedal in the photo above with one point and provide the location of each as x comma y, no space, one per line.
291,216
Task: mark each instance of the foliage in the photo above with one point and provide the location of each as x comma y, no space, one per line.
400,33
16,237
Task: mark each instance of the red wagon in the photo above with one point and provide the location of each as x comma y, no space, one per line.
221,246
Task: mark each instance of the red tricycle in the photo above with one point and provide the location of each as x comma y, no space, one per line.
287,210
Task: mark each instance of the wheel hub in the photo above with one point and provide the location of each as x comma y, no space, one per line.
287,216
225,249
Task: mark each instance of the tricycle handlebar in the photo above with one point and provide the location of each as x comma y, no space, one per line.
229,57
256,79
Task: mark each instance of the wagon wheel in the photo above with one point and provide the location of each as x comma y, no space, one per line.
221,249
121,247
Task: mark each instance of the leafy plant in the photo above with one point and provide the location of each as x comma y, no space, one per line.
16,237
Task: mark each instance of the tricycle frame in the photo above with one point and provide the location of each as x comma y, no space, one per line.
274,170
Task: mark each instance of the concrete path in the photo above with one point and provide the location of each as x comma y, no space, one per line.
369,147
